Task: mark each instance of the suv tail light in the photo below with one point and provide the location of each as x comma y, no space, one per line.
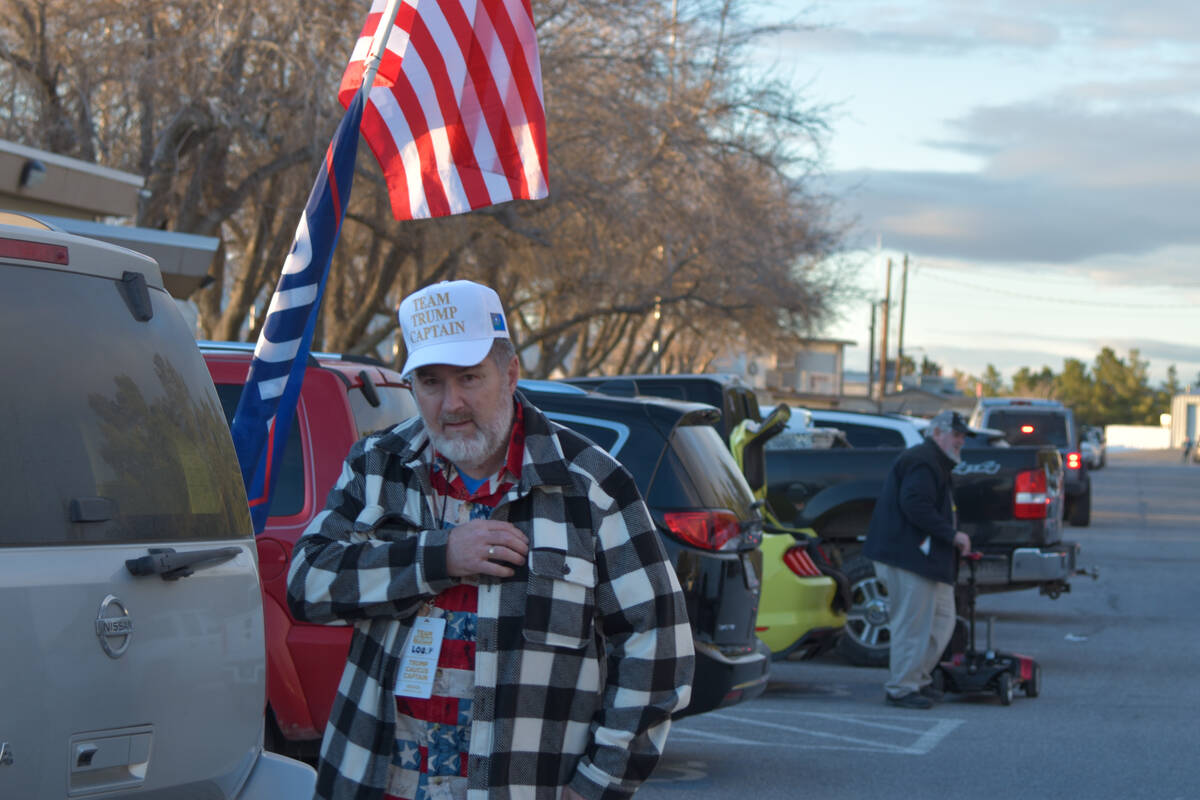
798,561
1030,499
1074,461
34,251
711,530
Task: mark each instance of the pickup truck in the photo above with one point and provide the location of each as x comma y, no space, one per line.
1010,502
1036,421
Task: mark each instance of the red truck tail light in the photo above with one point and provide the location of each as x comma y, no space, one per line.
1030,499
1026,429
798,561
711,530
1074,461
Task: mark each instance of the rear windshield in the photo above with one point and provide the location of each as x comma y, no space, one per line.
699,472
1031,427
288,497
396,404
107,419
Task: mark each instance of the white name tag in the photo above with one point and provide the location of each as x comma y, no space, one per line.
418,664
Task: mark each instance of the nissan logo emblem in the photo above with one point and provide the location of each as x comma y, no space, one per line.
114,627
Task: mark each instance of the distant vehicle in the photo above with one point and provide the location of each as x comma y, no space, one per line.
865,430
134,661
1034,421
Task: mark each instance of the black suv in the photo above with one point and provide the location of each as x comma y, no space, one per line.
705,513
728,393
1035,421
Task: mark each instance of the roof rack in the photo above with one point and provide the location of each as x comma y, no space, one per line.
248,347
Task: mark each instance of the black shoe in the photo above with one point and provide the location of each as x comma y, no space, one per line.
910,700
932,692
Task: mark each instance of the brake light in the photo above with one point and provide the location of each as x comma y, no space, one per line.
1030,499
798,561
34,251
1074,461
1026,429
711,530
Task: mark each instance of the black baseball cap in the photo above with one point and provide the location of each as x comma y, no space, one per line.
951,420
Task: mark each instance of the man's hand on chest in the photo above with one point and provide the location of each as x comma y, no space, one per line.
484,547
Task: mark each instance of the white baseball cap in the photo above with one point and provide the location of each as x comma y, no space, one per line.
452,322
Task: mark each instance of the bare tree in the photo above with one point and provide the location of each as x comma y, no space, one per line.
680,218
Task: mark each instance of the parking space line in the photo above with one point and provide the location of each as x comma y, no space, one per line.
865,721
686,736
817,734
676,733
918,738
929,740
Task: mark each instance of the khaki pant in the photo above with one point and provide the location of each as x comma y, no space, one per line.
921,619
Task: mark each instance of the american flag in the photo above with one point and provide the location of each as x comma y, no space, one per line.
455,115
268,404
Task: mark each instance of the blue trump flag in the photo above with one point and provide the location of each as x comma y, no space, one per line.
268,404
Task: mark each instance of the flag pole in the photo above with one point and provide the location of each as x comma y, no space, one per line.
378,45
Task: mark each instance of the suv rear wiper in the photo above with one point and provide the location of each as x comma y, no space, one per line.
164,561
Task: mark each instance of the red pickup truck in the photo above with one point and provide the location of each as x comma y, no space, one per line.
343,398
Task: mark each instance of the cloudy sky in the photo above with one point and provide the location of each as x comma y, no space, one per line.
1039,162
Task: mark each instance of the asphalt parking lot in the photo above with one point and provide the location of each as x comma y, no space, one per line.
1117,717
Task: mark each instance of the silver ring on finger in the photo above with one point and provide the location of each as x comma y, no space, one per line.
492,550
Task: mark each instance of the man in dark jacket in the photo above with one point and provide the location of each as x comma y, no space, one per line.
912,539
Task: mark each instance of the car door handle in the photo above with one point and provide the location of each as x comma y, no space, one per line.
164,561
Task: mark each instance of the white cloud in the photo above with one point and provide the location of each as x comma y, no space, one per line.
1044,148
948,26
1058,185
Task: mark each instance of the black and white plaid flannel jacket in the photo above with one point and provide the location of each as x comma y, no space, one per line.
581,656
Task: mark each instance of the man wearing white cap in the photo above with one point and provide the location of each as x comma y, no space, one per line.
519,632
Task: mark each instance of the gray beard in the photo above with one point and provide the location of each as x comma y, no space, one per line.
469,452
955,457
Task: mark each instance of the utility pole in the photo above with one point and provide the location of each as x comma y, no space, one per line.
883,339
900,338
871,356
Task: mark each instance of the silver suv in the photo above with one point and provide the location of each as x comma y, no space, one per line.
133,660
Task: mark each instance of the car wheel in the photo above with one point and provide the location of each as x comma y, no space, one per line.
1033,686
1004,688
866,637
1081,509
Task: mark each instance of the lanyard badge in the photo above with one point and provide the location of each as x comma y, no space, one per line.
418,664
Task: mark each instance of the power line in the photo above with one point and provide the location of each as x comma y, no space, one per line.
1066,301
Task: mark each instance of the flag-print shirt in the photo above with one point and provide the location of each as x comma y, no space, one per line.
581,656
432,735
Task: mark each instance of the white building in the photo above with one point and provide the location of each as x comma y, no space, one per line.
1185,418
